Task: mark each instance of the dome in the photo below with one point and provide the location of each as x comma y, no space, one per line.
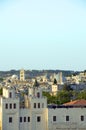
14,77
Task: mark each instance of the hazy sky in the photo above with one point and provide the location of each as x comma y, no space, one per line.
43,34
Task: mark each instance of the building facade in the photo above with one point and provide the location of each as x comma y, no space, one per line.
35,115
32,116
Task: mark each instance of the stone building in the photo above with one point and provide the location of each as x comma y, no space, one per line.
22,75
35,115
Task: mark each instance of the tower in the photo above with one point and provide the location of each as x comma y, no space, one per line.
22,75
60,77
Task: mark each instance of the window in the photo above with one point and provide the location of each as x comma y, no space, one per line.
54,118
82,118
38,105
28,119
14,105
34,105
38,118
24,119
10,106
20,119
10,119
10,95
67,118
38,95
6,106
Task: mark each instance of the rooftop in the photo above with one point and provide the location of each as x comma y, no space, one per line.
81,102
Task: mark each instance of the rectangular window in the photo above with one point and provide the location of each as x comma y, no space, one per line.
10,95
54,118
38,118
38,105
82,118
14,105
10,106
10,119
24,119
6,106
20,119
28,119
67,118
34,105
38,95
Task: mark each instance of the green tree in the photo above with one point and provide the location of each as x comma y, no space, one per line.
50,99
47,94
55,81
63,97
36,84
1,79
74,95
82,95
67,87
1,91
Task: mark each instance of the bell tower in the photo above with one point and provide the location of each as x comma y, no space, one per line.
22,75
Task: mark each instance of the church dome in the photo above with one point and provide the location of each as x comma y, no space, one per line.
14,77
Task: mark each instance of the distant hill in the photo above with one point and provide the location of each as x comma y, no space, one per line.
34,73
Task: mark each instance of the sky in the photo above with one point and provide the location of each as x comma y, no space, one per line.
43,34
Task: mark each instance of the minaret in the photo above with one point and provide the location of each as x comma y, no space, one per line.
22,75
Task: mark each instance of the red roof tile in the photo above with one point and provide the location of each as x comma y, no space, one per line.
76,102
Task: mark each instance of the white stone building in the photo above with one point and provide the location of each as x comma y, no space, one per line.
53,89
67,118
35,115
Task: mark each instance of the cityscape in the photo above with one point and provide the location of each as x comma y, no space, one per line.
42,65
50,101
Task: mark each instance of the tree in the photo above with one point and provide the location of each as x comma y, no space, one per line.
67,87
36,84
1,79
75,95
55,81
82,95
63,97
1,90
47,94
